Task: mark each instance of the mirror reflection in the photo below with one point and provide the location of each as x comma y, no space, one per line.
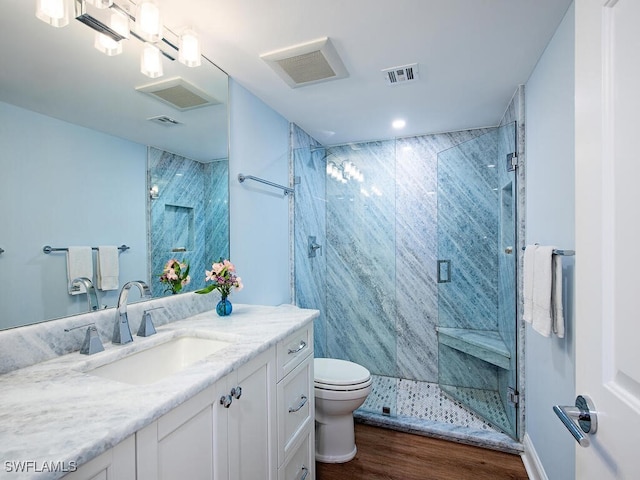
91,157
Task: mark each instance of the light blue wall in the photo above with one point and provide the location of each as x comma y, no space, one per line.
64,185
259,232
550,362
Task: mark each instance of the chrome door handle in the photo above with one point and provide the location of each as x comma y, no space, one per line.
226,401
580,419
305,472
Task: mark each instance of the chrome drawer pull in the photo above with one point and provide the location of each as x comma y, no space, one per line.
300,347
303,401
236,392
305,472
226,401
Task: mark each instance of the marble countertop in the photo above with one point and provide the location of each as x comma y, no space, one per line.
55,412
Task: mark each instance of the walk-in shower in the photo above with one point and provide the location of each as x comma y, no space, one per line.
416,277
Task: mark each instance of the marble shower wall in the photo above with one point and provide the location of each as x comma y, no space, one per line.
379,302
191,212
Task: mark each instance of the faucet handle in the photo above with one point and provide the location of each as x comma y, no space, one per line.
92,343
146,326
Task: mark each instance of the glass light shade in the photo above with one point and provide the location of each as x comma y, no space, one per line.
53,12
148,21
151,62
189,49
107,45
100,3
120,23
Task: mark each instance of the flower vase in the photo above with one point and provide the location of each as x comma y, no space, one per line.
224,307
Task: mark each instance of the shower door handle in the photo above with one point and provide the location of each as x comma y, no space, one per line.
444,271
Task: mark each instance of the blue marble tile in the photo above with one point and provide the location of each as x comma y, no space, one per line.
191,212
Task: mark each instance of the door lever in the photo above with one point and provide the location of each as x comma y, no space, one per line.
580,419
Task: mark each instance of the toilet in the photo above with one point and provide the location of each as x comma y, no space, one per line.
340,387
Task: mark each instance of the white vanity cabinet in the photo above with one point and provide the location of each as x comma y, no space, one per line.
245,441
295,406
117,463
256,423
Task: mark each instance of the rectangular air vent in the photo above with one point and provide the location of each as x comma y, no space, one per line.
164,120
178,93
402,74
307,63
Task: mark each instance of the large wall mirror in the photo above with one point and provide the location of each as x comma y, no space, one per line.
91,154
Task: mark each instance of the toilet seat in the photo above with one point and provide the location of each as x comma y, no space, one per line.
340,375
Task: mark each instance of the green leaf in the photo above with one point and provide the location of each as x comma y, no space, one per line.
207,289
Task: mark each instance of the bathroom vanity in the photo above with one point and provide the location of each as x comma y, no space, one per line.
243,411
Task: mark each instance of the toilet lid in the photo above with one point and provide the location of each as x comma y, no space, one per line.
331,371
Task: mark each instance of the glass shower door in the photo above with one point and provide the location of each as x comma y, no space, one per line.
476,274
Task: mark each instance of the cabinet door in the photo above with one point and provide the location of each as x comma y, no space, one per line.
251,420
179,444
117,463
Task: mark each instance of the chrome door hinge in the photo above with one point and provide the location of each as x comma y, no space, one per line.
514,396
512,161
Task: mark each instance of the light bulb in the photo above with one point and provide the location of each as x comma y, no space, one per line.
107,45
53,12
100,3
148,21
151,62
189,49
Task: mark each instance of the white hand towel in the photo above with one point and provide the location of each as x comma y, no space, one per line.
108,268
529,264
542,320
557,313
79,264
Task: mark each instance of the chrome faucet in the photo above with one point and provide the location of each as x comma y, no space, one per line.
121,330
92,294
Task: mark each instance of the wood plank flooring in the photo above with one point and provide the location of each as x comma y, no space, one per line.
389,455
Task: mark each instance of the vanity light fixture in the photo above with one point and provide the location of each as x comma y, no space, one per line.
189,48
344,172
398,124
111,30
53,12
151,61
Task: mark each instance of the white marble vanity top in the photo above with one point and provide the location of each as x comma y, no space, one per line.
54,412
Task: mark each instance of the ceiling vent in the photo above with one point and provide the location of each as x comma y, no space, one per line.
307,63
403,74
165,120
178,93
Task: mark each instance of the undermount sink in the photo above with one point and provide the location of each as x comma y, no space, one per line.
160,361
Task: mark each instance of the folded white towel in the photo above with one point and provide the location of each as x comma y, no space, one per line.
543,290
79,264
108,268
557,312
529,264
542,282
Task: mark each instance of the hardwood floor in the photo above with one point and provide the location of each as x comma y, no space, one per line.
389,455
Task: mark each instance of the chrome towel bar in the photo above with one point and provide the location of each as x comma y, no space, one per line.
287,190
563,252
48,249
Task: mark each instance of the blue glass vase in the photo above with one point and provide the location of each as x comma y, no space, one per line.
224,307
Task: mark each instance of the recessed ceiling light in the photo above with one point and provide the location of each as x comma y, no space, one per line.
398,124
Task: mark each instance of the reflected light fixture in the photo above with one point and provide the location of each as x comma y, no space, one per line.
151,61
189,48
119,23
53,12
100,3
149,21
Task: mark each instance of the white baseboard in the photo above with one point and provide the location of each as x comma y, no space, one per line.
532,463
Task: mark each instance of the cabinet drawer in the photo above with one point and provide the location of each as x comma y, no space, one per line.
301,464
295,407
293,349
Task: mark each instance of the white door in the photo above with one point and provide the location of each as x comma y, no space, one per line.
608,233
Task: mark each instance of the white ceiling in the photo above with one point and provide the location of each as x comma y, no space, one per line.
472,55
